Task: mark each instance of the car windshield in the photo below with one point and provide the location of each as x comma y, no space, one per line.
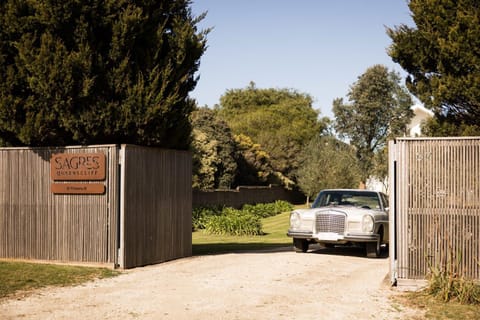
361,199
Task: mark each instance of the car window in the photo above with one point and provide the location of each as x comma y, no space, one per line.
364,199
385,200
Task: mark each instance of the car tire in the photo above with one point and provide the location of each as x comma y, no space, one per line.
300,245
373,249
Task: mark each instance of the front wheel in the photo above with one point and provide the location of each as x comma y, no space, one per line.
300,245
373,249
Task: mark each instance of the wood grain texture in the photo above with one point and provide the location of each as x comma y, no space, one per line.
437,210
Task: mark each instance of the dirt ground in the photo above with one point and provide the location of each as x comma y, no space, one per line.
335,283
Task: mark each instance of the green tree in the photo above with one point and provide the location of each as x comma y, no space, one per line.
204,160
88,72
379,108
254,167
442,56
280,120
442,126
327,162
214,151
380,167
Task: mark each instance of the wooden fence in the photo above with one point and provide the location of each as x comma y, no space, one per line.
138,212
236,198
435,207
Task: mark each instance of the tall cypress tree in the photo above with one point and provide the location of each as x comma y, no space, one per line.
98,71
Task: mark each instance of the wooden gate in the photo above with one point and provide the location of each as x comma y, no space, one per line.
435,207
156,205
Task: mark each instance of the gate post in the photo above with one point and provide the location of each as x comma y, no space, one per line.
392,174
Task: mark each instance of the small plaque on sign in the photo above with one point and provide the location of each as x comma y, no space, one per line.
77,166
78,188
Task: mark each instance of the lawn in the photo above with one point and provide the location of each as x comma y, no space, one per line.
21,276
275,229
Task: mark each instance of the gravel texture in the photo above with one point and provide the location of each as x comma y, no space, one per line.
335,283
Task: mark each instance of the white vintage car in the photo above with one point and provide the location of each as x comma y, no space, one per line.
342,216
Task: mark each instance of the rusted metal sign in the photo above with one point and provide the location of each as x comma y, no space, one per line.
78,188
77,166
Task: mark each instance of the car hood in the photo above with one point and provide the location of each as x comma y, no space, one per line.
353,213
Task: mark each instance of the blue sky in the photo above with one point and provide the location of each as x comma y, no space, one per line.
317,47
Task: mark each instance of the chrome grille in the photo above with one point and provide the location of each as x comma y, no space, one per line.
328,222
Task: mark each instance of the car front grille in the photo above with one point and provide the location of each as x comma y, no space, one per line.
330,222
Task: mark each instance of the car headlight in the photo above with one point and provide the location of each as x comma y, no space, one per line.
295,220
367,223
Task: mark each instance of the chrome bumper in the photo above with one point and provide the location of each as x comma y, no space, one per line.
333,237
300,234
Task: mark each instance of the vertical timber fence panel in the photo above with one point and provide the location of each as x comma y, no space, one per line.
137,212
37,224
157,205
436,206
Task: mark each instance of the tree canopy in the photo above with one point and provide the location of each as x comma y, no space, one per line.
254,165
281,121
214,152
88,72
378,108
442,56
442,126
222,160
327,162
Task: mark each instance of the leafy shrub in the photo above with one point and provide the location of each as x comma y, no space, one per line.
200,216
282,206
234,222
261,210
226,220
264,210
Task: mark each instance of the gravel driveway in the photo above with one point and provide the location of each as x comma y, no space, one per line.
324,284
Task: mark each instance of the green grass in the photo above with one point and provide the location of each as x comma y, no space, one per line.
20,276
275,229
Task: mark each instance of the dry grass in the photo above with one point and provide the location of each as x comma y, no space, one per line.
430,307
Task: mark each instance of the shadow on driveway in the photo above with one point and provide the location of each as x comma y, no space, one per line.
339,250
224,248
